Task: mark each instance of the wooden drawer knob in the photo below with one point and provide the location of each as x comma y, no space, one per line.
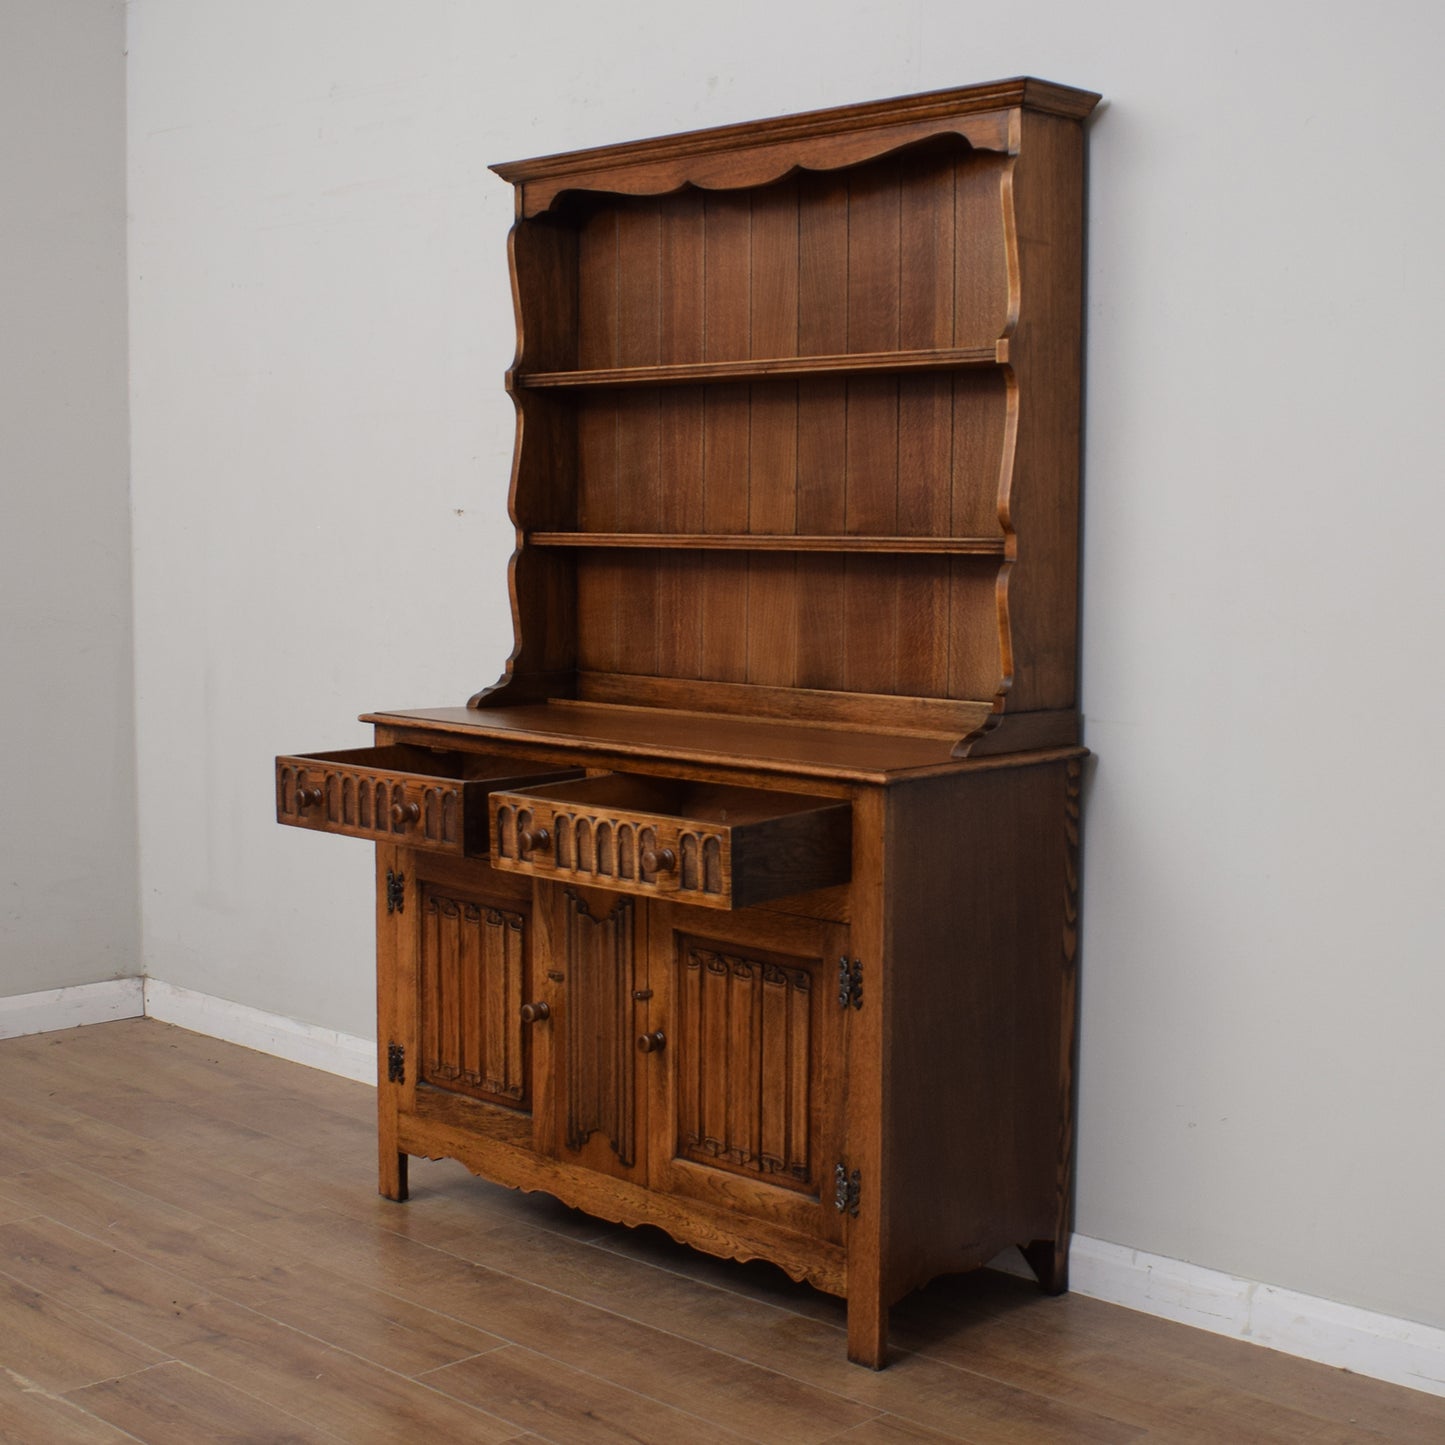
404,813
534,840
652,1043
534,1013
658,860
309,797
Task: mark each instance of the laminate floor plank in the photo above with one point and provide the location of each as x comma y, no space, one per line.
192,1249
1129,1385
927,1392
30,1415
457,1203
890,1430
395,1333
719,1387
104,1284
329,1388
993,1323
140,1224
564,1404
58,1348
172,1404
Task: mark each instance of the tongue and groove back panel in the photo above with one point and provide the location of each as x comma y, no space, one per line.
783,436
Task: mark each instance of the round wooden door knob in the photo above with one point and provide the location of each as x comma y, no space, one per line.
534,1013
404,813
658,860
652,1043
309,797
534,840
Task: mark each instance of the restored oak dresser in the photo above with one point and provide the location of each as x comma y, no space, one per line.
744,904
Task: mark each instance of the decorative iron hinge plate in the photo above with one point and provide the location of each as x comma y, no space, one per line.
846,1188
395,892
850,983
396,1063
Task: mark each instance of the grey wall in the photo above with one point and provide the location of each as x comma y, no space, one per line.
68,896
320,325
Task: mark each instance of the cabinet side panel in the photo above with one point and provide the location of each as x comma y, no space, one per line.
544,270
1044,498
979,919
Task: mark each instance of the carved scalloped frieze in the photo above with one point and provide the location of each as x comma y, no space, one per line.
740,167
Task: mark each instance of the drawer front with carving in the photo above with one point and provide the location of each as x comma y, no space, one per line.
704,843
417,797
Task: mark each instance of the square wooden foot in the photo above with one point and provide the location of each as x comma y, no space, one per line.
868,1332
392,1181
1049,1260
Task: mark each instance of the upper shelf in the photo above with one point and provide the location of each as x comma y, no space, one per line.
860,363
778,542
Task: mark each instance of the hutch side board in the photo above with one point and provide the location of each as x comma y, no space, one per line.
744,904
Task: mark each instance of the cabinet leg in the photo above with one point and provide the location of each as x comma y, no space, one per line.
868,1332
393,1175
1049,1260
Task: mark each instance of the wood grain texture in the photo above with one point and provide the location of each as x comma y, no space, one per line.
767,366
873,348
979,1154
605,736
796,497
764,151
517,1310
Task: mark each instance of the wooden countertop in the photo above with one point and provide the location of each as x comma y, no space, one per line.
763,744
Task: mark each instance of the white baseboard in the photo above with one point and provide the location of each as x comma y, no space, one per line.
1381,1346
68,1008
268,1033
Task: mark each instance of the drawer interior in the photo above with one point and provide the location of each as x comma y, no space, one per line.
714,844
720,804
405,760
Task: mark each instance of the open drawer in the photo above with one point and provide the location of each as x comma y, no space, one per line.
418,797
707,843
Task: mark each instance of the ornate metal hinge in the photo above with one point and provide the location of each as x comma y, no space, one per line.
396,1063
846,1188
395,892
850,983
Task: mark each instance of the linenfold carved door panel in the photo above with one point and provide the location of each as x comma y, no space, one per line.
473,958
747,1096
594,969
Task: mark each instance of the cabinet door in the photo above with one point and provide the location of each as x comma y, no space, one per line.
592,947
747,1088
455,968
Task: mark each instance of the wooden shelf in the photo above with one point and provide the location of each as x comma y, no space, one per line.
765,368
776,542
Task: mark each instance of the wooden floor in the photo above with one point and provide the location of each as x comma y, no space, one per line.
191,1250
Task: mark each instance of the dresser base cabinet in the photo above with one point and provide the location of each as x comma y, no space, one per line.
867,1085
